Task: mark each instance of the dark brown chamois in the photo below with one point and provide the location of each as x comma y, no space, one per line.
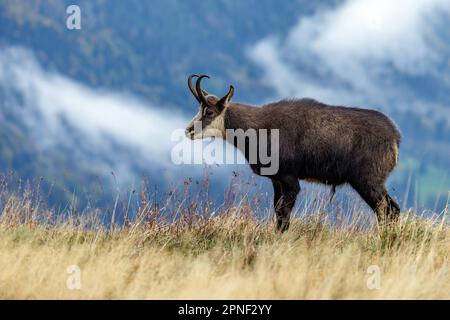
333,145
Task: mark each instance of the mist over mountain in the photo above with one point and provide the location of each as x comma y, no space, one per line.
76,105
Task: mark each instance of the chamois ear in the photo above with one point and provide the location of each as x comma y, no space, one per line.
225,101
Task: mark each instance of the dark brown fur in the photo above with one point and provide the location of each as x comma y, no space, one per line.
328,144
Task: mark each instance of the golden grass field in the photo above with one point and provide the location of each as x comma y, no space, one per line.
226,256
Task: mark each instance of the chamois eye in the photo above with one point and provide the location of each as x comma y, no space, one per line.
209,112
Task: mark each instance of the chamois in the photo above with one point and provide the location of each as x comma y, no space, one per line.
333,145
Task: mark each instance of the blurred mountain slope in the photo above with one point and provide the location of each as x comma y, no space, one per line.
147,48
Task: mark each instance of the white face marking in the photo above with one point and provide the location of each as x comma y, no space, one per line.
192,124
215,129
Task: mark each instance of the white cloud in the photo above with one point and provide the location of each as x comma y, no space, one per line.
99,115
379,30
348,54
118,130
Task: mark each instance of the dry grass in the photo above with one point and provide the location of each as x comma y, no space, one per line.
228,256
183,252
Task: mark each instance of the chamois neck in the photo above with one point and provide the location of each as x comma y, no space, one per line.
241,116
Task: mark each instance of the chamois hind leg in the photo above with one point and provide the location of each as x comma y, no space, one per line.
285,189
393,213
376,196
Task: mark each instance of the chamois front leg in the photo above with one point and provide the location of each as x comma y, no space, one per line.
285,191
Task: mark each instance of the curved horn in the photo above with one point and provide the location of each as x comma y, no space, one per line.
200,91
194,93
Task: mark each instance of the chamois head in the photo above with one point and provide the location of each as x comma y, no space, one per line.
209,121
